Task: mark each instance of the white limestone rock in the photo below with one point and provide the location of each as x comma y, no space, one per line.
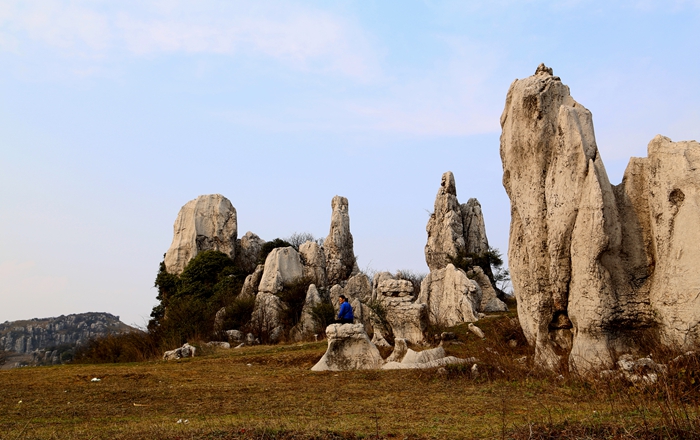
185,351
489,301
282,266
252,282
314,262
592,264
473,227
307,326
445,227
349,348
407,319
249,247
451,298
338,246
400,350
266,319
205,223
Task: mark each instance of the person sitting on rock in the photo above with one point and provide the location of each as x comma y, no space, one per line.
345,315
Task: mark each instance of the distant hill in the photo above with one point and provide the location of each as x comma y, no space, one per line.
46,341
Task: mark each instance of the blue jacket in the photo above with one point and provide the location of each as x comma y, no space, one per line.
345,311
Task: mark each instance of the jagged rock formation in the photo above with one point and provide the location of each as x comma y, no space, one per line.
247,251
267,320
205,223
473,227
282,266
450,296
314,261
406,318
489,301
338,246
252,282
38,334
591,264
453,229
349,348
307,326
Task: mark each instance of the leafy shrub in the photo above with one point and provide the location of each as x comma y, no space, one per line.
238,313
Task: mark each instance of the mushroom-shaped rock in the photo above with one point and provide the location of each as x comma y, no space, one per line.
349,348
205,223
407,319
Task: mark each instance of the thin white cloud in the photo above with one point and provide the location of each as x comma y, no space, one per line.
299,37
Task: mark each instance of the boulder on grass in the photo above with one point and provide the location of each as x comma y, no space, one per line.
349,348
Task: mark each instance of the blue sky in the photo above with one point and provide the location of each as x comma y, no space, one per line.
114,114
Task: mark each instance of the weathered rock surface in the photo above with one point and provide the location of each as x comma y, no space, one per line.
307,326
38,334
267,317
453,229
445,226
205,223
489,301
450,296
349,348
474,228
338,246
407,319
592,264
314,262
431,358
248,250
185,351
252,282
282,266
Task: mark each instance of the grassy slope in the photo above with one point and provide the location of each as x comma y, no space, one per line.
264,388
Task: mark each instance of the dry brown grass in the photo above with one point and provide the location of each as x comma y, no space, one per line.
269,392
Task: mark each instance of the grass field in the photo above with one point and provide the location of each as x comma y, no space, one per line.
269,392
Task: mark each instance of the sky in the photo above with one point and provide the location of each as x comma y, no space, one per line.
113,115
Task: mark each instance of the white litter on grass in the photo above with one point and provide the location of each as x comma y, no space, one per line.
183,421
250,365
95,379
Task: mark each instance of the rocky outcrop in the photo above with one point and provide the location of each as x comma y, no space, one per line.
282,266
252,282
489,301
445,226
450,296
248,249
453,230
592,264
37,334
474,228
314,262
431,358
266,320
205,223
406,318
338,246
185,351
307,326
349,348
